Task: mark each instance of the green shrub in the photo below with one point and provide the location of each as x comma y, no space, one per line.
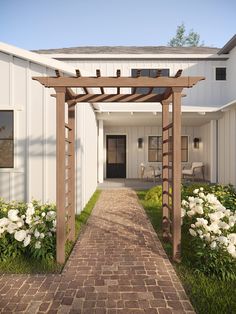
154,195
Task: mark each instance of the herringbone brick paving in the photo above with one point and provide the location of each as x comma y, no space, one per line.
118,266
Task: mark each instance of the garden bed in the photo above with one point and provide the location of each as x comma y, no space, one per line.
207,292
28,238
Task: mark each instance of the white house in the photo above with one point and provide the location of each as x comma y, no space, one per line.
130,132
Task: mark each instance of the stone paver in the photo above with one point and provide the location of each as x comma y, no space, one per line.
118,266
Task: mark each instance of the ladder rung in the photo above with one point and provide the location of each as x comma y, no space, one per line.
68,154
167,167
68,141
67,126
167,206
167,154
167,180
167,193
169,126
167,141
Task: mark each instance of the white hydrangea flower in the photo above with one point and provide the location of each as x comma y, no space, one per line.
213,245
20,235
36,233
199,210
195,191
42,235
183,212
43,214
232,238
231,249
27,240
38,245
201,189
30,210
4,222
2,230
12,227
190,213
223,225
192,232
20,223
13,215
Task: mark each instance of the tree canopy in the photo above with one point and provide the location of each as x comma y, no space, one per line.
182,39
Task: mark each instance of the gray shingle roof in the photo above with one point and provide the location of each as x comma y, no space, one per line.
228,46
130,50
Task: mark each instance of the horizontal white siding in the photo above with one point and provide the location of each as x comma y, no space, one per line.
137,156
227,147
206,93
34,172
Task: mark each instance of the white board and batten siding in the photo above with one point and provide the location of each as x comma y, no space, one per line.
34,172
227,147
208,93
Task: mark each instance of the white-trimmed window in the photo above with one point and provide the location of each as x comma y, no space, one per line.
220,74
150,73
155,148
6,139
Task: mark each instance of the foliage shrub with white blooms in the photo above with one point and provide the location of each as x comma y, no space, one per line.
212,235
27,229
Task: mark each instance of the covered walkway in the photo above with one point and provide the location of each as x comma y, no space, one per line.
118,266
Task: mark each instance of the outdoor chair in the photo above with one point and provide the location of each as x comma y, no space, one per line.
196,168
150,172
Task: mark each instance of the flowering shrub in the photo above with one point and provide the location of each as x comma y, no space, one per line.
212,230
27,228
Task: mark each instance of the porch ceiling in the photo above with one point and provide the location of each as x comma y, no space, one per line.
154,118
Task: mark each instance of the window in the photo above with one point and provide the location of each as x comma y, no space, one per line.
220,74
6,139
150,73
155,148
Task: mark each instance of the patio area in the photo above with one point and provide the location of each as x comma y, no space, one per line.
118,266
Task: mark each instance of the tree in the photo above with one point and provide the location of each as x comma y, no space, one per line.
183,40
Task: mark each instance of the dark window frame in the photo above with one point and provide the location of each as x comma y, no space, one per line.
9,139
159,149
150,73
220,76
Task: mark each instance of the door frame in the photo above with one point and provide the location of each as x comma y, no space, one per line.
105,152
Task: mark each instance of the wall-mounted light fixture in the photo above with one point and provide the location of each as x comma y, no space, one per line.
196,142
140,142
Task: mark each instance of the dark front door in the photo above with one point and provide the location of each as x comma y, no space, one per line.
116,156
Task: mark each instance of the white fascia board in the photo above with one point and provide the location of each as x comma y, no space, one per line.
148,107
134,56
228,106
36,58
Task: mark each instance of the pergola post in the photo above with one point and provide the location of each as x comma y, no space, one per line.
176,174
60,174
71,172
165,171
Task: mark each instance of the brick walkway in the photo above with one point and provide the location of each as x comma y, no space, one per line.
117,266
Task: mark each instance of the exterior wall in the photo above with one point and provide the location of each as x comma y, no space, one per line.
137,156
231,75
227,147
34,172
86,154
207,93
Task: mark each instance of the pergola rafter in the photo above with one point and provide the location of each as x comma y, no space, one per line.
65,182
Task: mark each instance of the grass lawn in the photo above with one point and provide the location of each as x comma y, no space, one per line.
207,295
22,265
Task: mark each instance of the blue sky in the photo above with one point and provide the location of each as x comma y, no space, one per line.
34,24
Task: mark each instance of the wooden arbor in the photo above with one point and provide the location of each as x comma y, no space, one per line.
65,181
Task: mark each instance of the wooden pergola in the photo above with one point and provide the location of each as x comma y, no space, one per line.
65,141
